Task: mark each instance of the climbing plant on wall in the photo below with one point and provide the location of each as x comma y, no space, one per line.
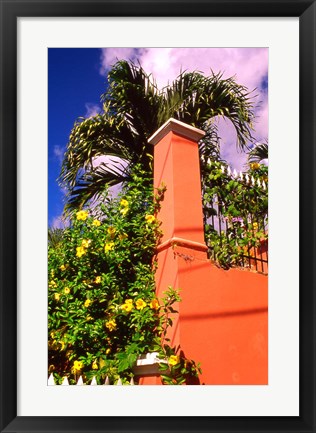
236,212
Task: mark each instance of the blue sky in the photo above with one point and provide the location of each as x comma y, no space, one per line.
77,78
74,87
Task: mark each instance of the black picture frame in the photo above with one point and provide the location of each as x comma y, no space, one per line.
10,11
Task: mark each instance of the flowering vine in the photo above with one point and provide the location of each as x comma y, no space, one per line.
102,310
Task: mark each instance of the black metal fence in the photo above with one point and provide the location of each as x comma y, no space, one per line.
236,221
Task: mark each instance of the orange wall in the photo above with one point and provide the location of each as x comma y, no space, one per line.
223,315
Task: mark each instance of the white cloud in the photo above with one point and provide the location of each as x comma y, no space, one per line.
109,56
59,222
59,153
262,123
109,160
112,162
92,109
249,65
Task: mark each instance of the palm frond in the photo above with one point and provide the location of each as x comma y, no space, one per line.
55,236
92,184
196,99
134,92
92,138
133,109
258,153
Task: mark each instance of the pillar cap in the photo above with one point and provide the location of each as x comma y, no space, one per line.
178,127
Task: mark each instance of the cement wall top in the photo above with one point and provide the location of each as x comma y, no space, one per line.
178,127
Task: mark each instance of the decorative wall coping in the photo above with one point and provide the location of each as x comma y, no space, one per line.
178,127
148,365
175,241
148,359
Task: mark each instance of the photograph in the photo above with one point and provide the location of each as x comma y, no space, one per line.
158,175
157,216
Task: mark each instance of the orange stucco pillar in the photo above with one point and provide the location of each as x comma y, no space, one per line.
177,166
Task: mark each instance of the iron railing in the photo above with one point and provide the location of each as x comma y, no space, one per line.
236,231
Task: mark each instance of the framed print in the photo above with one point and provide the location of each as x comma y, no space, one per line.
265,373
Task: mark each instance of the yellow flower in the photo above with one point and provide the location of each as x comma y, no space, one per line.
57,296
111,231
109,246
87,303
82,215
52,284
80,251
255,225
173,360
66,290
78,365
111,325
107,351
128,306
96,223
154,304
124,203
88,318
124,211
97,280
95,365
62,268
140,304
85,243
150,218
254,166
123,236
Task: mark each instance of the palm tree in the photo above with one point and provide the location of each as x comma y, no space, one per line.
258,153
133,109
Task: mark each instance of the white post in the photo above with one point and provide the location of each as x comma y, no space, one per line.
94,382
51,380
65,381
80,381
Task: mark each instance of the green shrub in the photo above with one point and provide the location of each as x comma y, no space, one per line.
102,308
